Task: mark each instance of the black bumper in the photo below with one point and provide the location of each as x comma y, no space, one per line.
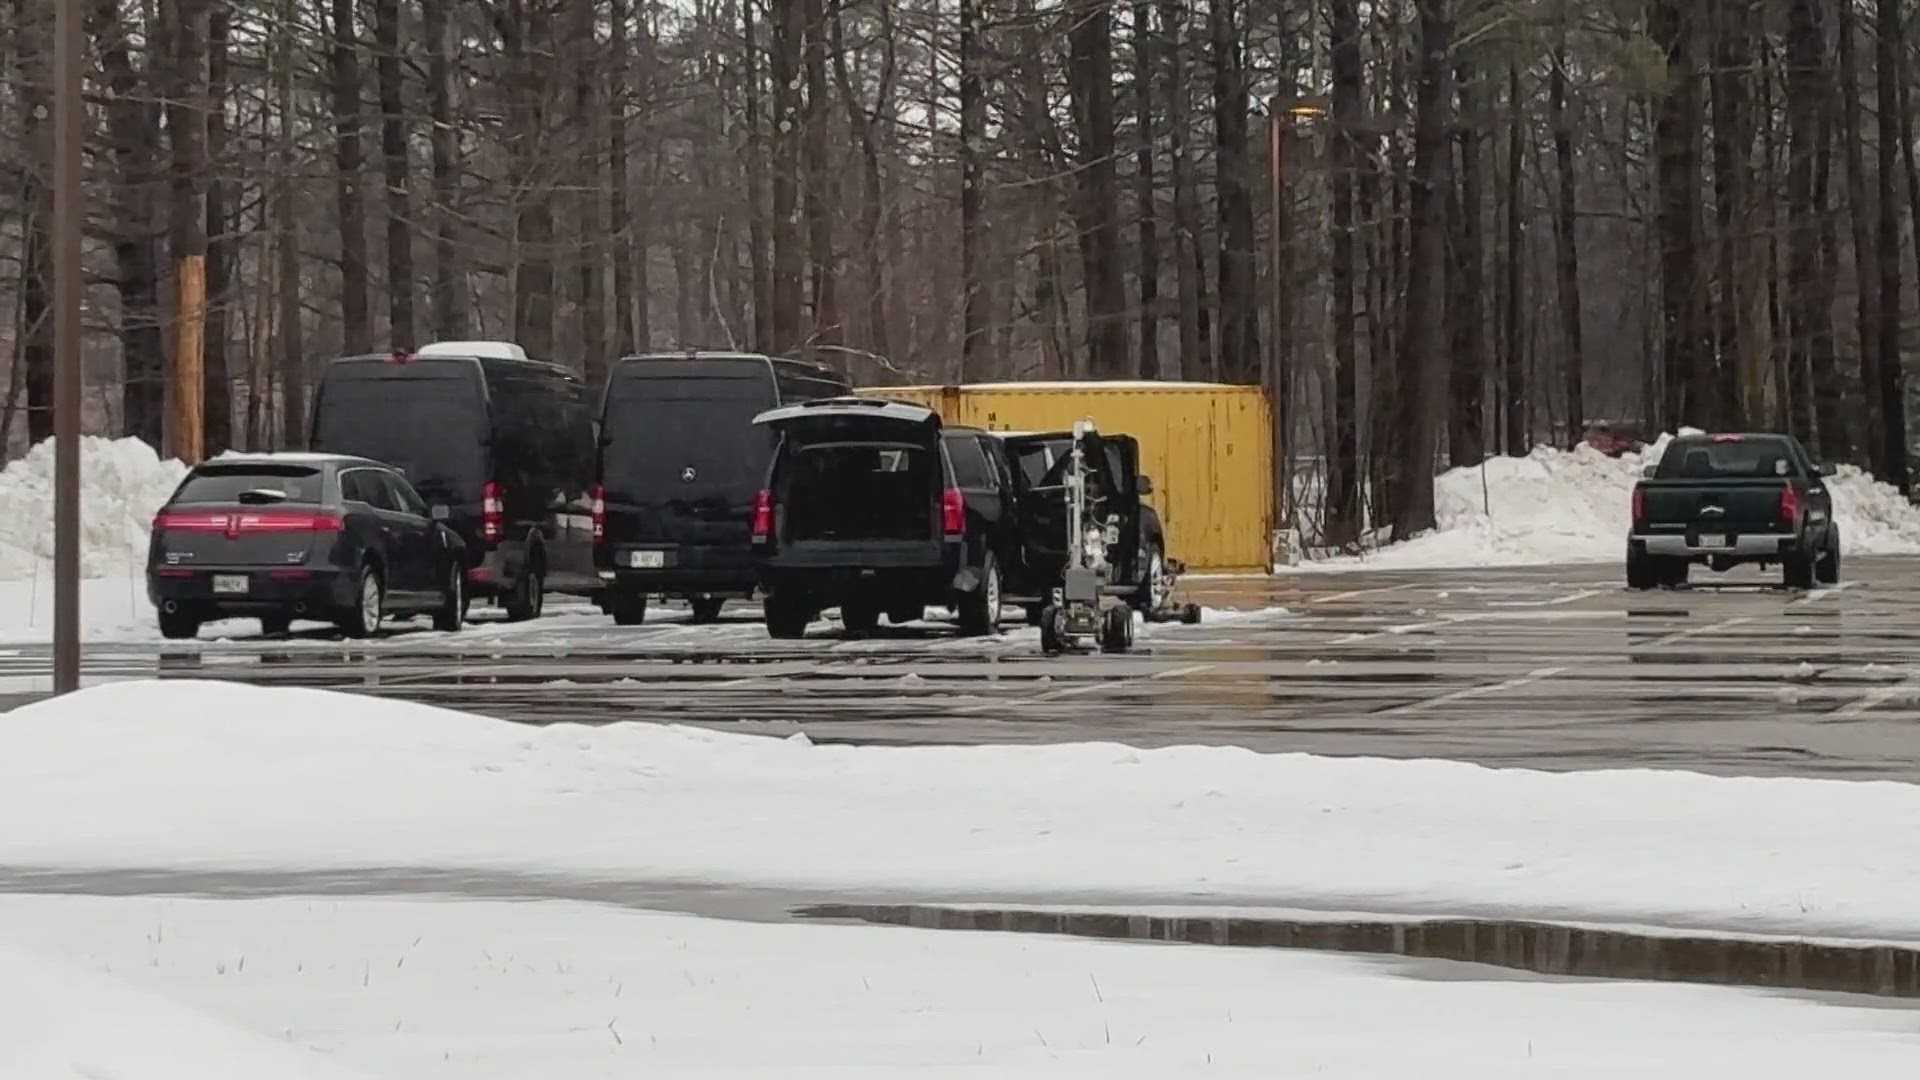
271,591
913,573
685,570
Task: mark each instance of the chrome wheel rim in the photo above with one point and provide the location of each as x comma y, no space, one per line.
370,603
993,594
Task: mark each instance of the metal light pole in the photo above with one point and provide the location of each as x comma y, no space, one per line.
67,109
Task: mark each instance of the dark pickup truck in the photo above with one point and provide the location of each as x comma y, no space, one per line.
1728,500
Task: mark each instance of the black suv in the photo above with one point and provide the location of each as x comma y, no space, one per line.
286,536
500,446
871,507
1136,542
679,463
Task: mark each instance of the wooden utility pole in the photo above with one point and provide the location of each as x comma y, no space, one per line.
68,56
186,378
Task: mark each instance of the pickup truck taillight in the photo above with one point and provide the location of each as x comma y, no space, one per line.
1789,507
1639,508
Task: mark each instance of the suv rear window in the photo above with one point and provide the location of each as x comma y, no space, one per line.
1728,459
256,483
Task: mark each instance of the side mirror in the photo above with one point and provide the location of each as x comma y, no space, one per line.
1146,485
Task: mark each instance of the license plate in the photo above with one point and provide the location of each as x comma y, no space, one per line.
1713,540
230,584
646,560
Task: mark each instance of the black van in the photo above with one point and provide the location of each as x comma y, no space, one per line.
866,509
500,447
678,466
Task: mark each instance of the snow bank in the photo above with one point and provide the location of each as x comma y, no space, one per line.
59,1023
122,484
490,990
1558,506
199,775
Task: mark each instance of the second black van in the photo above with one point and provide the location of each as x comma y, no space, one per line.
499,445
679,464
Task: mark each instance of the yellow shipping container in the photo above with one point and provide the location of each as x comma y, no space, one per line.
1207,446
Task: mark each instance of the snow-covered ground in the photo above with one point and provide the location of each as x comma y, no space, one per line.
59,1021
438,988
1556,506
211,776
123,483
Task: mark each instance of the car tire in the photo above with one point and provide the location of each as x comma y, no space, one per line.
1796,570
1640,570
787,617
859,617
451,615
706,609
275,625
179,625
529,596
1827,570
901,616
1148,597
629,608
362,618
1672,573
1036,614
980,609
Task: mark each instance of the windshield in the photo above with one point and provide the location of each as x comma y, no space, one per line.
658,431
251,483
1728,459
428,420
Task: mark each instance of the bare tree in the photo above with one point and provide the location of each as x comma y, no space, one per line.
1423,362
1567,247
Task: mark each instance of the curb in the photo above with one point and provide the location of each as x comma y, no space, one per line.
1542,948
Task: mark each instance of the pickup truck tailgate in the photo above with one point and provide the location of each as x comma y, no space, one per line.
1719,506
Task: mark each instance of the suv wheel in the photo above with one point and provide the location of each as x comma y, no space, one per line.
451,615
179,625
529,596
787,616
980,609
859,616
1827,570
629,608
363,618
1151,596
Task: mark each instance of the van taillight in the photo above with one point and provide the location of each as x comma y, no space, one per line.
1639,508
1789,506
953,512
493,513
762,517
599,513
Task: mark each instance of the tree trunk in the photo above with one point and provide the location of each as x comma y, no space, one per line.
528,30
33,356
1686,342
356,326
449,274
1466,435
872,195
186,116
1343,515
789,30
822,189
1145,195
291,349
1806,88
1097,202
1891,385
133,122
1196,344
1423,361
393,163
1913,193
1239,307
590,297
1867,282
1518,434
756,181
1567,252
1838,436
973,122
1746,388
217,385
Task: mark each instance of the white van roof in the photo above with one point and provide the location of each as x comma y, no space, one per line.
491,350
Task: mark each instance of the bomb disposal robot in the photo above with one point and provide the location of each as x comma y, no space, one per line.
1082,610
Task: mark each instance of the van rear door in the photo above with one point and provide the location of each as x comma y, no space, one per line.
428,417
680,458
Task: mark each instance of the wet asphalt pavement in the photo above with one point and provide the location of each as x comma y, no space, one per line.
1551,668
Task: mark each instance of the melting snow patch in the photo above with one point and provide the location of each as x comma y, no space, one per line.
123,483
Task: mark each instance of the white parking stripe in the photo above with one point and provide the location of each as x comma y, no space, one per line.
1530,677
1556,601
1682,635
1349,595
1877,697
1821,594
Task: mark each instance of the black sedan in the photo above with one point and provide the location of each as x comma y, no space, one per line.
309,536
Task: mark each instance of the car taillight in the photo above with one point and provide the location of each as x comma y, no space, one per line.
235,524
1789,506
493,513
762,516
1639,507
953,512
599,513
178,521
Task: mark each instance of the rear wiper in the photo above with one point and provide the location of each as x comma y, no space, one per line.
258,496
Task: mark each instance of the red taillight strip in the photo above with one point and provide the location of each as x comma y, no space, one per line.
762,516
953,512
234,524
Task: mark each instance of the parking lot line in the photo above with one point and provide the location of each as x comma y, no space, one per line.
1352,593
1556,601
1483,690
1682,635
1877,697
1822,594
